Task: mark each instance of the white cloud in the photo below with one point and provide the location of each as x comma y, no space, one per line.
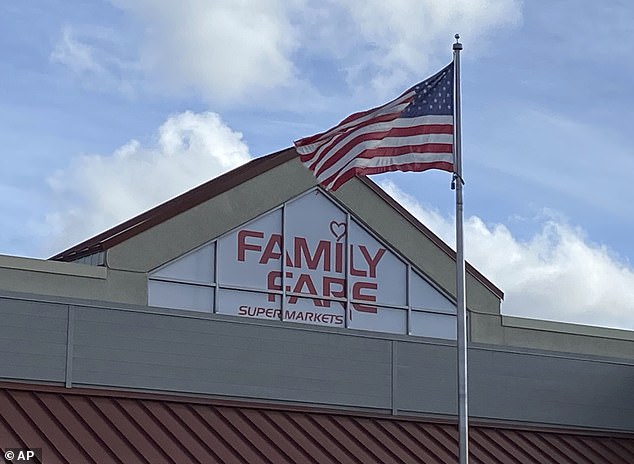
98,191
95,55
391,43
557,274
78,56
223,50
241,51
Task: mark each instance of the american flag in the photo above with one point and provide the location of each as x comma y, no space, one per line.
414,132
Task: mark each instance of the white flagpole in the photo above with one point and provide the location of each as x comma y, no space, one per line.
463,397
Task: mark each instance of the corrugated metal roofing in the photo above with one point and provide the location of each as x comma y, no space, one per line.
96,426
219,185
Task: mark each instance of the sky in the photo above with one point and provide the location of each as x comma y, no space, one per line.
108,108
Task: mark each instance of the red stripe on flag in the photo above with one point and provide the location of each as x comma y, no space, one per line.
369,170
347,124
378,151
388,152
321,151
412,132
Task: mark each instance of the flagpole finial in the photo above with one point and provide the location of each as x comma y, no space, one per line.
457,45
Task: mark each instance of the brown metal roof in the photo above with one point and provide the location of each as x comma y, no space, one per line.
219,185
98,426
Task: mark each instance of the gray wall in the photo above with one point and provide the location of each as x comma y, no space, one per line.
153,349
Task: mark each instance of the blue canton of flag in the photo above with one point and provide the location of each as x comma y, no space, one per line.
433,96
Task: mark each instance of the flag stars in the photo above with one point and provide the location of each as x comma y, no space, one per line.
432,97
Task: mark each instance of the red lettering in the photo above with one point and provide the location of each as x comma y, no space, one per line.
272,279
328,291
289,275
270,252
304,279
339,255
357,295
329,281
372,262
322,250
271,283
243,246
353,271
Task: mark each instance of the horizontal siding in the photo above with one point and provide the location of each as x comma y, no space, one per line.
142,350
32,340
582,391
426,378
210,355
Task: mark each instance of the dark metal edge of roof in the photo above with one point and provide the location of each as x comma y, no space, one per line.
175,206
221,184
248,403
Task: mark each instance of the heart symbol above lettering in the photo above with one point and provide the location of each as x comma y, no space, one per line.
338,229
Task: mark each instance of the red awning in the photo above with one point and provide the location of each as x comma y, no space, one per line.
99,426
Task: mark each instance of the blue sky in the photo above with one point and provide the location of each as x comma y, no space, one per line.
110,107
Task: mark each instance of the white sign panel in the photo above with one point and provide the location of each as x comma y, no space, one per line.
320,257
245,257
310,262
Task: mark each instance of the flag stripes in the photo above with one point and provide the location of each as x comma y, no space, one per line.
413,132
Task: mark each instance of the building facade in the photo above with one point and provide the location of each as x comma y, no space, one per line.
258,318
